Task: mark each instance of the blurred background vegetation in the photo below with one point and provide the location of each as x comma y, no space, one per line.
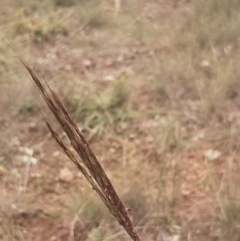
154,86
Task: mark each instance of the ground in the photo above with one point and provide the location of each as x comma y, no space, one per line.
153,85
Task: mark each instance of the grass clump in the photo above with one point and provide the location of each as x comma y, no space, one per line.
221,86
26,108
96,17
41,29
169,136
97,112
97,234
231,223
90,210
208,46
215,23
64,3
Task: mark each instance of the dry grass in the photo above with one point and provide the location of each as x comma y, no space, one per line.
153,129
93,171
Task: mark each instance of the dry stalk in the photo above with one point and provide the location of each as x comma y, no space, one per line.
85,160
